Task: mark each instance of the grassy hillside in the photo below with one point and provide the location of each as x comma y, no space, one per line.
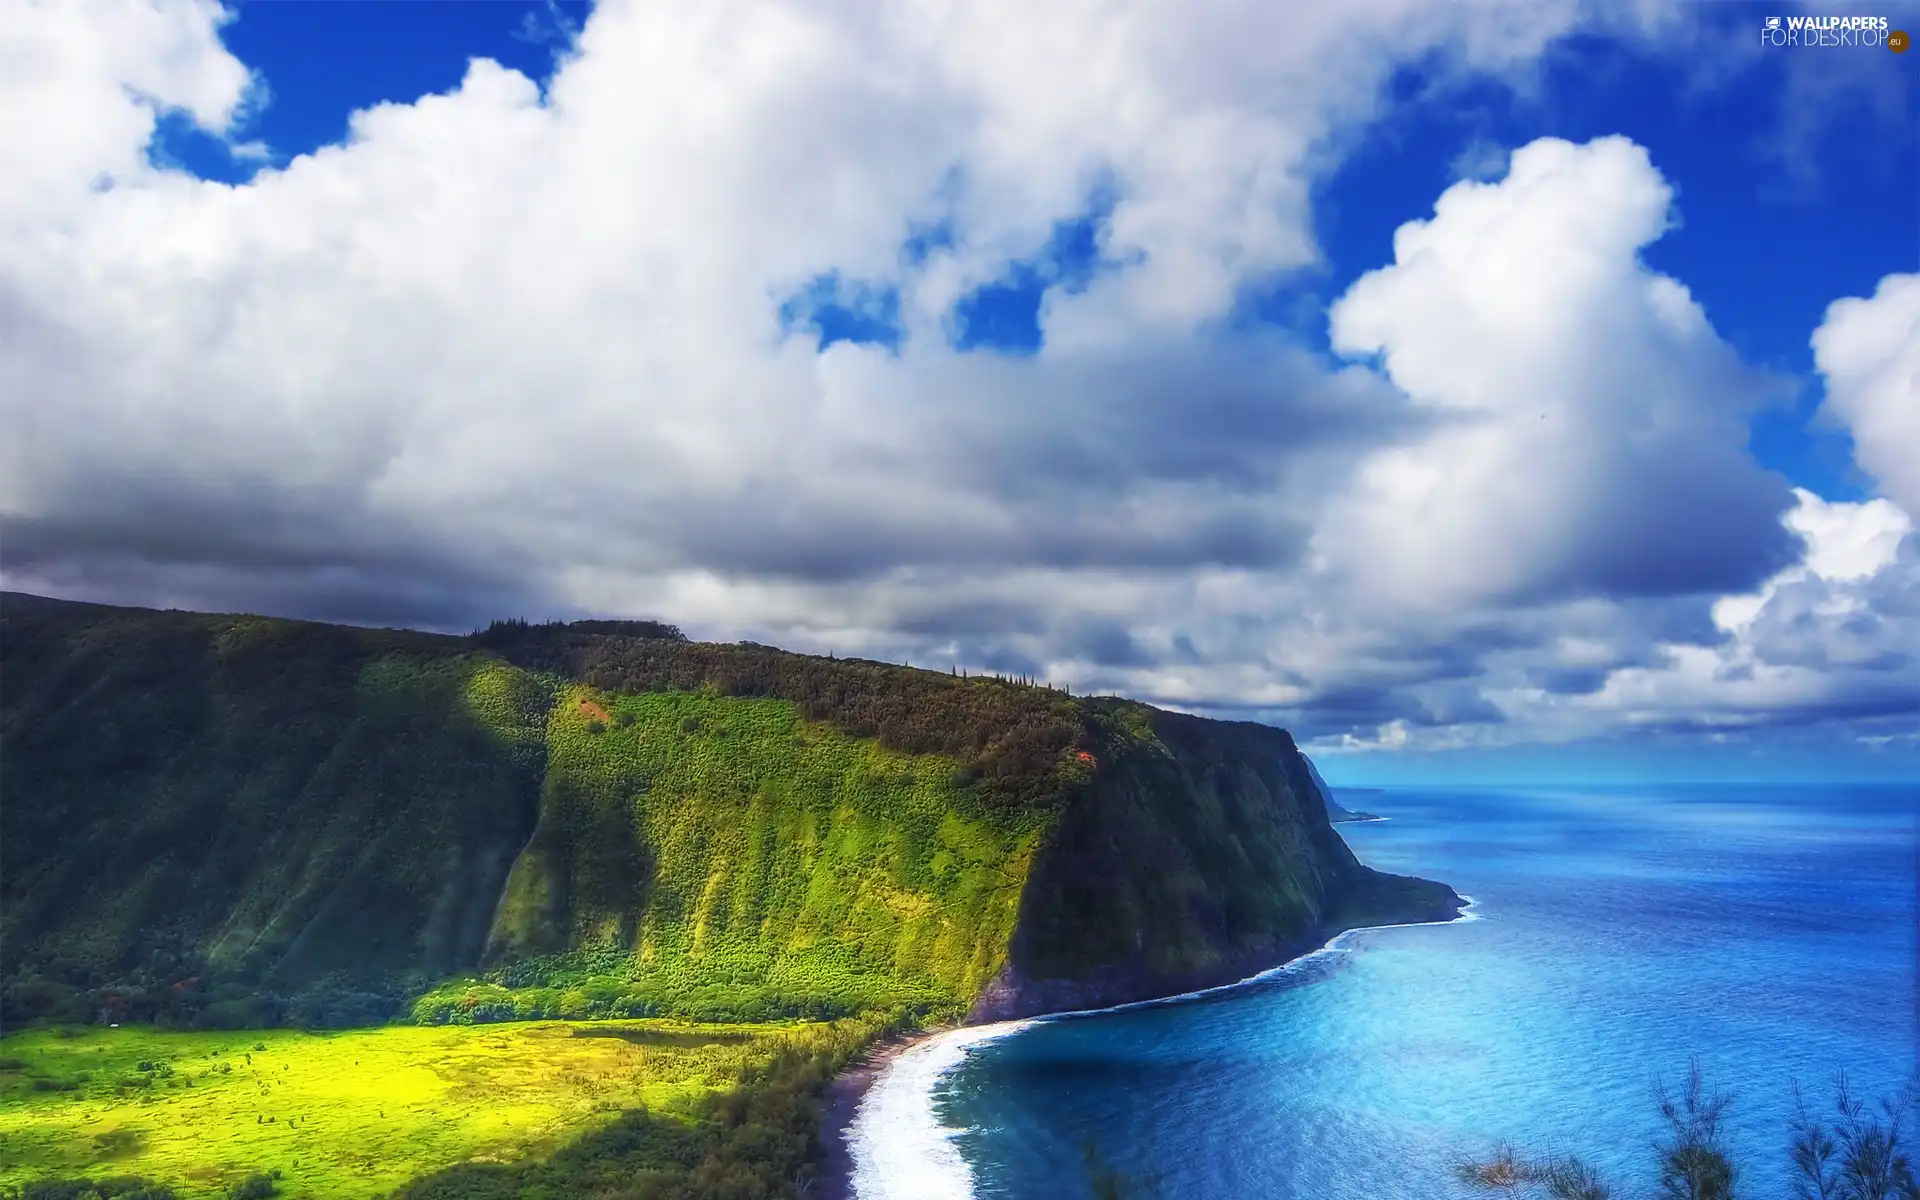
724,857
205,812
1013,742
227,820
239,821
216,822
1200,854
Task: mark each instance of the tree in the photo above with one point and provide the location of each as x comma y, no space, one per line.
1693,1165
1508,1173
1862,1155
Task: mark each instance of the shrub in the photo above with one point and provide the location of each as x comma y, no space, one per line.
1862,1155
127,1187
257,1186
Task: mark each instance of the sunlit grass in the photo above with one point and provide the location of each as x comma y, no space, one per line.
722,858
346,1114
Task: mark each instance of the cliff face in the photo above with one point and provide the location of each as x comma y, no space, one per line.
196,809
1201,855
723,856
1335,813
228,820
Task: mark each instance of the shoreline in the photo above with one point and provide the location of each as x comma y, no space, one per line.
842,1103
850,1088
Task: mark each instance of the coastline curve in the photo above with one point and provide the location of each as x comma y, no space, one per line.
896,1143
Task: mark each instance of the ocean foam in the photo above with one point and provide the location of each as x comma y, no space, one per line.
900,1149
1340,943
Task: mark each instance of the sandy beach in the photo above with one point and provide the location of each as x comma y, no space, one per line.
843,1101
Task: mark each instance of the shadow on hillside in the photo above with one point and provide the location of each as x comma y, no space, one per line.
215,835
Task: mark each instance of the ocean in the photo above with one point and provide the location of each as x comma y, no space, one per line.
1616,934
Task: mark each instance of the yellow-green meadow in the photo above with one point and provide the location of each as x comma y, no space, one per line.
347,1114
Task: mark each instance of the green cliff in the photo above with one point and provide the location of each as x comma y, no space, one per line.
228,820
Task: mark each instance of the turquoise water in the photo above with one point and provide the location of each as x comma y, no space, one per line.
1767,932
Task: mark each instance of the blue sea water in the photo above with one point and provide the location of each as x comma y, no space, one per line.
1768,932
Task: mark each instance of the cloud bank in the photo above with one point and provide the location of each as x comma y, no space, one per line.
520,351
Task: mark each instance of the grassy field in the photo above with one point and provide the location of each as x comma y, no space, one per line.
347,1114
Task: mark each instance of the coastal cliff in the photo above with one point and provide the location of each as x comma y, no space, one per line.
1335,813
1201,853
228,820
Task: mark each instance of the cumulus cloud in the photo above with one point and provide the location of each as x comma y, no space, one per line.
1832,636
1869,351
497,336
514,351
1595,435
83,85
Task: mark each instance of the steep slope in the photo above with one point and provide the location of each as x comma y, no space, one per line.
1335,813
723,856
1200,854
219,819
198,810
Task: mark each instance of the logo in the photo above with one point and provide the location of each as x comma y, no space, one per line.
1829,31
1898,41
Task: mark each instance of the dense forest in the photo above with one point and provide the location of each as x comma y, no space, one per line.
1010,736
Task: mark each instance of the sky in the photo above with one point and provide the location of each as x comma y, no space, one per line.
1480,391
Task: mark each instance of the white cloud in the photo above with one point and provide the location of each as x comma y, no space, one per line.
1829,638
1869,351
499,353
1845,543
1591,432
541,339
80,86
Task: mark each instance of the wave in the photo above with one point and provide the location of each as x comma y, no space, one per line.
900,1148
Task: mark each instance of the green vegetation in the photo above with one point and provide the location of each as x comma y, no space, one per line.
215,838
1012,740
218,823
226,822
727,860
758,1140
1202,847
202,821
362,1113
1858,1153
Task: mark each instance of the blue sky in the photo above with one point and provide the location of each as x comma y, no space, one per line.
780,328
322,62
